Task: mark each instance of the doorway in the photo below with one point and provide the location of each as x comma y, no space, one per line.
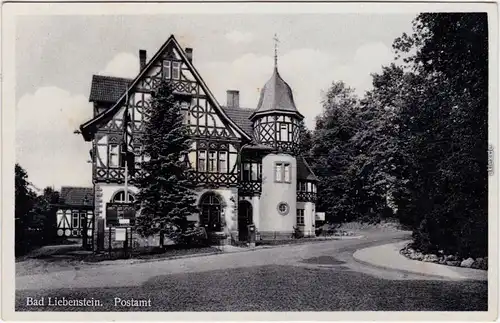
211,208
244,219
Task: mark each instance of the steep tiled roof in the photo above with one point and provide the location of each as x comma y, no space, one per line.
89,128
107,88
240,116
304,171
76,196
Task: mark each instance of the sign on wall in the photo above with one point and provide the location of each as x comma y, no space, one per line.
118,214
320,216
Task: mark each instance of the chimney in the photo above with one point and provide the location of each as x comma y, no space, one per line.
233,98
142,58
189,54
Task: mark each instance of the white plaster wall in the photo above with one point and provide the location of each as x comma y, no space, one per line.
273,193
308,219
255,211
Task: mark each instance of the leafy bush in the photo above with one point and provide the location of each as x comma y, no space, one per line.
195,236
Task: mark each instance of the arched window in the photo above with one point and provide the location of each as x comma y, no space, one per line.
119,197
211,208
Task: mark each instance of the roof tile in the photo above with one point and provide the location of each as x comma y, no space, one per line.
304,171
77,196
241,116
107,88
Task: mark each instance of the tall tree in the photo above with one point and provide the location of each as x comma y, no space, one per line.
46,207
24,201
166,194
331,153
446,134
305,139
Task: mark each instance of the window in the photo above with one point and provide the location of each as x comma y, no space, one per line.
246,172
284,132
120,197
282,173
287,173
314,188
278,172
113,156
202,160
166,69
212,167
75,218
260,171
254,168
185,112
222,162
176,70
300,217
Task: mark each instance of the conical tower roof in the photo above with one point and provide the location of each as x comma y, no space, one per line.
276,95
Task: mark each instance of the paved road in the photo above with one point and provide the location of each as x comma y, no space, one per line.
310,277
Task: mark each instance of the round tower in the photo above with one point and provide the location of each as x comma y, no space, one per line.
276,125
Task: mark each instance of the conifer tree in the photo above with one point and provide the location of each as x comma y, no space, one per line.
166,193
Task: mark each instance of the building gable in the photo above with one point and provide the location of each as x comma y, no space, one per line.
204,115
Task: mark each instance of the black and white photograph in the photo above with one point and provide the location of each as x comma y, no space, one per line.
253,158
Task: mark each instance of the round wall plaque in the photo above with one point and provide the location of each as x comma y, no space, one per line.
283,208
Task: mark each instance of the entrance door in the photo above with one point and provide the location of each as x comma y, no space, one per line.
244,219
211,208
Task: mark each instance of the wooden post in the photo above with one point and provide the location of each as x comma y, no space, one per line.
109,247
100,234
125,243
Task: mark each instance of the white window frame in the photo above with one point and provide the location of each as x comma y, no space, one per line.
113,151
202,161
278,172
222,162
119,197
176,69
212,161
246,169
166,69
284,132
300,217
287,173
282,172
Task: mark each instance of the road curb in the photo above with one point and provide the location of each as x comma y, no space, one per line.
365,262
139,261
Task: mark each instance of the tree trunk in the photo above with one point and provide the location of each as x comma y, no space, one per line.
162,239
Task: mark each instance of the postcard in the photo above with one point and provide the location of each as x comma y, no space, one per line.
249,161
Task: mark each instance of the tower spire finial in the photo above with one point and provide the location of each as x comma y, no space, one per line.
276,41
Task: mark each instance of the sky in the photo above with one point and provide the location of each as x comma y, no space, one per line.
56,57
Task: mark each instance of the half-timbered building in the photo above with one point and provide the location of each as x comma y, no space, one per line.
246,160
75,214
